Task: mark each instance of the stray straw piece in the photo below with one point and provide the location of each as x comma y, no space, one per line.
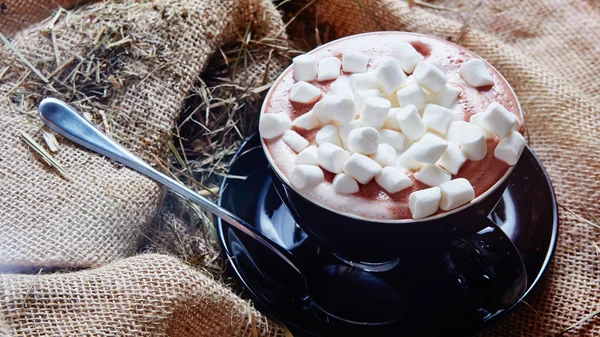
45,155
22,58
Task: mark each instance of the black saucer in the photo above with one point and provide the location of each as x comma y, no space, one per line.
527,213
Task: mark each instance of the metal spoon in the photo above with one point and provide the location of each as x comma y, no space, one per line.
383,309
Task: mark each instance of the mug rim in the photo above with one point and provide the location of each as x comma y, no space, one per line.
444,214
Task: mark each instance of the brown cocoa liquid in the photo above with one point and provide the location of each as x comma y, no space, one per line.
372,201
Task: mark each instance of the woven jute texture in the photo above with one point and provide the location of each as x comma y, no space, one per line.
548,51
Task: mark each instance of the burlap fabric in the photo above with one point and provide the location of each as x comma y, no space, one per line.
548,50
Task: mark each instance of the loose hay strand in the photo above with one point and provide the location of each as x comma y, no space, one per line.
23,59
45,155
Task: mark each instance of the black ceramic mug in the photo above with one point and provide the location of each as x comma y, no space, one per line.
474,248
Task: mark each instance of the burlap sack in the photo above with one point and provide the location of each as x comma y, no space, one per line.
548,52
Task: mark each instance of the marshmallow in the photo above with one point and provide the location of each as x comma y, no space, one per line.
307,121
430,77
392,179
274,125
332,157
393,99
509,148
453,159
433,175
406,160
456,192
304,92
341,88
305,67
475,73
425,202
455,129
308,156
437,63
411,124
447,96
498,120
473,142
476,119
411,95
409,80
361,168
335,108
305,176
429,148
390,76
363,81
354,62
393,138
345,129
437,118
363,140
385,156
374,112
360,97
407,56
390,121
344,184
328,134
329,68
294,140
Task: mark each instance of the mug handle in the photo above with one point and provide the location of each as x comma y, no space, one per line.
484,265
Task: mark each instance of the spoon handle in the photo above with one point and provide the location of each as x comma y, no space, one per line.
63,119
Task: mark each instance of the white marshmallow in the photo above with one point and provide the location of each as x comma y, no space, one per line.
345,129
411,95
498,119
363,140
329,68
385,156
455,129
304,92
406,160
410,123
374,112
307,156
437,118
456,192
328,134
335,108
274,125
305,176
476,119
393,99
393,138
429,77
362,168
438,64
447,97
332,157
360,97
433,175
363,81
453,159
475,73
354,62
390,76
390,121
407,56
392,179
305,67
307,121
344,184
510,148
341,88
425,202
429,148
409,81
473,142
294,140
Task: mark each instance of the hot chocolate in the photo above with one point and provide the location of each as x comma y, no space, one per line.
415,99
